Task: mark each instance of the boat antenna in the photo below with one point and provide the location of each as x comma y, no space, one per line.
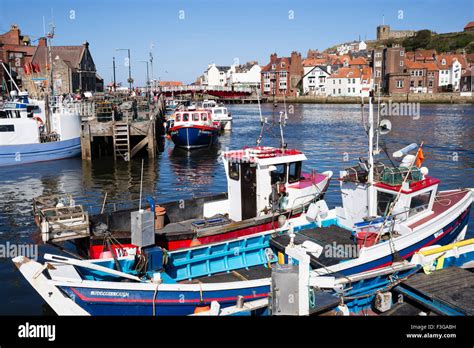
282,122
377,149
262,120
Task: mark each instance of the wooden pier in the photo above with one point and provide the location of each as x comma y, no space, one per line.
122,128
448,291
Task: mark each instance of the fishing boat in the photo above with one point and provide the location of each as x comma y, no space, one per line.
266,186
388,213
193,129
231,278
28,135
219,113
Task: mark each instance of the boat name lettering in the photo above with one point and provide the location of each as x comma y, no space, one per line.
110,293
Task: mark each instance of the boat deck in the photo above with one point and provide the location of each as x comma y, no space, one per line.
333,237
444,201
187,228
446,292
251,273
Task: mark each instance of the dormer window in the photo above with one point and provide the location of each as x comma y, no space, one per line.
282,64
274,66
443,61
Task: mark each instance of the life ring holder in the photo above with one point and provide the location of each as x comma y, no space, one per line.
39,120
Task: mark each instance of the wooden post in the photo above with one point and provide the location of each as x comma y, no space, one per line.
151,139
86,142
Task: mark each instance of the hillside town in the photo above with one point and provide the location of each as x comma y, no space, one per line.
347,70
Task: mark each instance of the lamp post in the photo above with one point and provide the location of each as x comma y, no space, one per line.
130,80
115,82
147,81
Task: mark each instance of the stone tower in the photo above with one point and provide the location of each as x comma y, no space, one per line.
383,32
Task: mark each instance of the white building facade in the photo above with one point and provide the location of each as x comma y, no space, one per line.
315,79
245,76
449,73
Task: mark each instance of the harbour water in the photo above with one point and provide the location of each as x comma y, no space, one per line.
331,136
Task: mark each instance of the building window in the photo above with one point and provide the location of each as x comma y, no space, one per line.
353,80
333,91
339,91
399,83
274,66
443,61
420,83
401,63
339,81
348,90
412,83
402,53
430,83
282,64
353,90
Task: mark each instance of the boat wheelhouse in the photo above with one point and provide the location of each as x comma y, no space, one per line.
192,129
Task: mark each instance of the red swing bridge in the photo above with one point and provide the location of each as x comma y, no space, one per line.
216,91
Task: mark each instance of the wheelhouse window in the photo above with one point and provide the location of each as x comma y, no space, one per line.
294,172
384,199
279,174
234,170
218,111
203,116
178,118
185,117
195,117
7,128
419,203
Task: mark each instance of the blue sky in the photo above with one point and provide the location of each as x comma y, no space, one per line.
219,31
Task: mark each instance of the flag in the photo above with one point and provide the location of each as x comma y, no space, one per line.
419,157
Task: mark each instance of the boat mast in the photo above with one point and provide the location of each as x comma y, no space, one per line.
50,92
370,180
262,121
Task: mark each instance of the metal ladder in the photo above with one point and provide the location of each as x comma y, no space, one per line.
122,140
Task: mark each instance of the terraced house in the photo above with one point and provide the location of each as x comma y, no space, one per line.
282,75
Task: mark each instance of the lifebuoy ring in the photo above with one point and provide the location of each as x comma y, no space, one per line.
38,119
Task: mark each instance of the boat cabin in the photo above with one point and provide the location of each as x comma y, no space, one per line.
265,179
417,195
196,117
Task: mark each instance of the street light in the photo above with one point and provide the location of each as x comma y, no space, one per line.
147,80
130,80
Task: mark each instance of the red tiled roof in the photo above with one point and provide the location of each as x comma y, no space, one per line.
430,66
450,57
314,61
469,25
277,63
358,61
347,73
